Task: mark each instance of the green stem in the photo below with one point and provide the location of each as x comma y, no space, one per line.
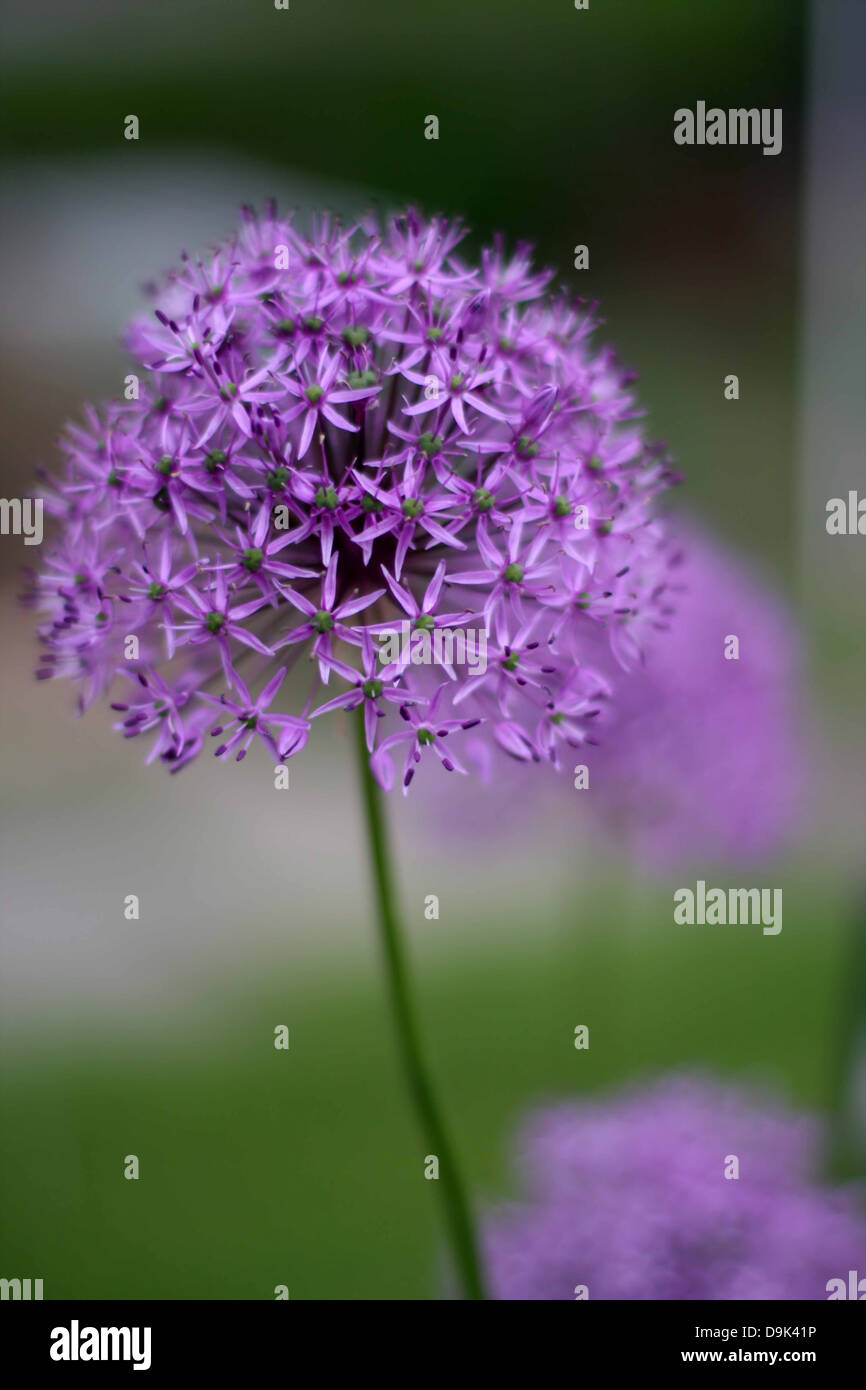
436,1136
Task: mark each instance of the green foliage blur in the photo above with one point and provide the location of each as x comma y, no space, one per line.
304,1167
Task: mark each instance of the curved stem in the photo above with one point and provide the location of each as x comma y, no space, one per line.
451,1184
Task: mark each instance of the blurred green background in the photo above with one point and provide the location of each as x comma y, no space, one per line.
304,1168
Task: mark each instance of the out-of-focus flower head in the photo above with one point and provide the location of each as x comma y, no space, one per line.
336,438
700,756
628,1198
703,753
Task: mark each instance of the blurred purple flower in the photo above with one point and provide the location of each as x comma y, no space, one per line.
690,756
701,755
628,1198
356,422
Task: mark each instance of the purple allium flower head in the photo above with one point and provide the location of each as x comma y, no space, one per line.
628,1198
702,754
338,433
697,758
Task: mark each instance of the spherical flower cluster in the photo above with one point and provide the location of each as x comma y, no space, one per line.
341,436
699,759
637,1197
704,754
